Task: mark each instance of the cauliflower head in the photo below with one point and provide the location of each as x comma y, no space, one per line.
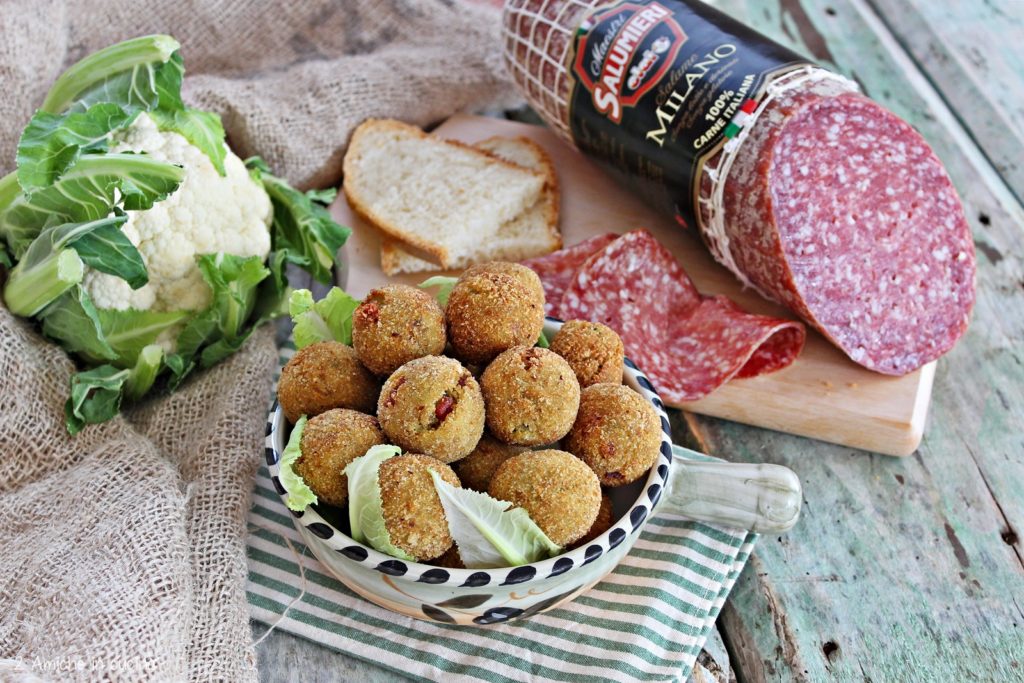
208,213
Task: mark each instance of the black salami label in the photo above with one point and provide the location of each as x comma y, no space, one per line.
660,86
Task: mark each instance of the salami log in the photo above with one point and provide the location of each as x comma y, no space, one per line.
809,192
688,344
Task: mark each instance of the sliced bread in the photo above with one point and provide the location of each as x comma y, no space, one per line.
438,197
531,233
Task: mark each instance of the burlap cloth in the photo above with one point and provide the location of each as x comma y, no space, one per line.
122,549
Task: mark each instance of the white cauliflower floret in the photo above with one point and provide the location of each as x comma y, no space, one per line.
208,213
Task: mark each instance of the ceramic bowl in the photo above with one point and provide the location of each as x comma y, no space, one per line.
756,497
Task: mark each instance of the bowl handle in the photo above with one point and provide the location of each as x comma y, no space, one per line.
758,497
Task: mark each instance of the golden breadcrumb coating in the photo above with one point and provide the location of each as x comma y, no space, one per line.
396,324
477,468
602,524
532,396
330,441
617,432
492,308
412,510
561,494
594,351
322,376
432,405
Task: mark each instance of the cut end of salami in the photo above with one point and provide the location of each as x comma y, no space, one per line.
840,210
689,345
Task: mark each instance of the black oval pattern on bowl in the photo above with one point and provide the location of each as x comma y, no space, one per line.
271,455
637,516
320,529
270,428
666,450
653,493
477,579
546,604
562,565
297,514
355,552
657,402
466,601
593,552
277,486
616,537
644,382
665,426
629,363
519,575
437,614
434,576
497,615
663,471
392,568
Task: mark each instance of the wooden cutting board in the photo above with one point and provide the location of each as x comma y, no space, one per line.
822,395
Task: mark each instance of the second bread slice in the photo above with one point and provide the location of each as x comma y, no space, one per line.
436,196
531,233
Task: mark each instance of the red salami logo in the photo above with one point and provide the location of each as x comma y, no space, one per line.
623,52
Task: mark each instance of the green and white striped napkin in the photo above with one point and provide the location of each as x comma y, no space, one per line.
646,621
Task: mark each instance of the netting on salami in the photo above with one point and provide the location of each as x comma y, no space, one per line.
805,189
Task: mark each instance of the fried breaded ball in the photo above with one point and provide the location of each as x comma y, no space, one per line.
412,510
330,441
432,405
561,494
477,468
322,376
593,350
396,324
602,524
493,307
617,433
526,276
532,396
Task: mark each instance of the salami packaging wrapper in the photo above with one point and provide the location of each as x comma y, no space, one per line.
804,189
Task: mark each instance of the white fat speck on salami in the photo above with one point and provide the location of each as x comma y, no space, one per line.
557,269
688,344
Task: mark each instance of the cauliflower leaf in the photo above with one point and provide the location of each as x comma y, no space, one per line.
365,508
329,319
89,191
304,232
52,143
299,494
202,129
488,533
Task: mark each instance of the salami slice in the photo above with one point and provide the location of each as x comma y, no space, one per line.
556,270
688,344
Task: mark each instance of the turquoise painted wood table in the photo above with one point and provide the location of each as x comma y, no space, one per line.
908,569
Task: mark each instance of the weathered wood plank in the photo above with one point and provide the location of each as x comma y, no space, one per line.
966,50
900,570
